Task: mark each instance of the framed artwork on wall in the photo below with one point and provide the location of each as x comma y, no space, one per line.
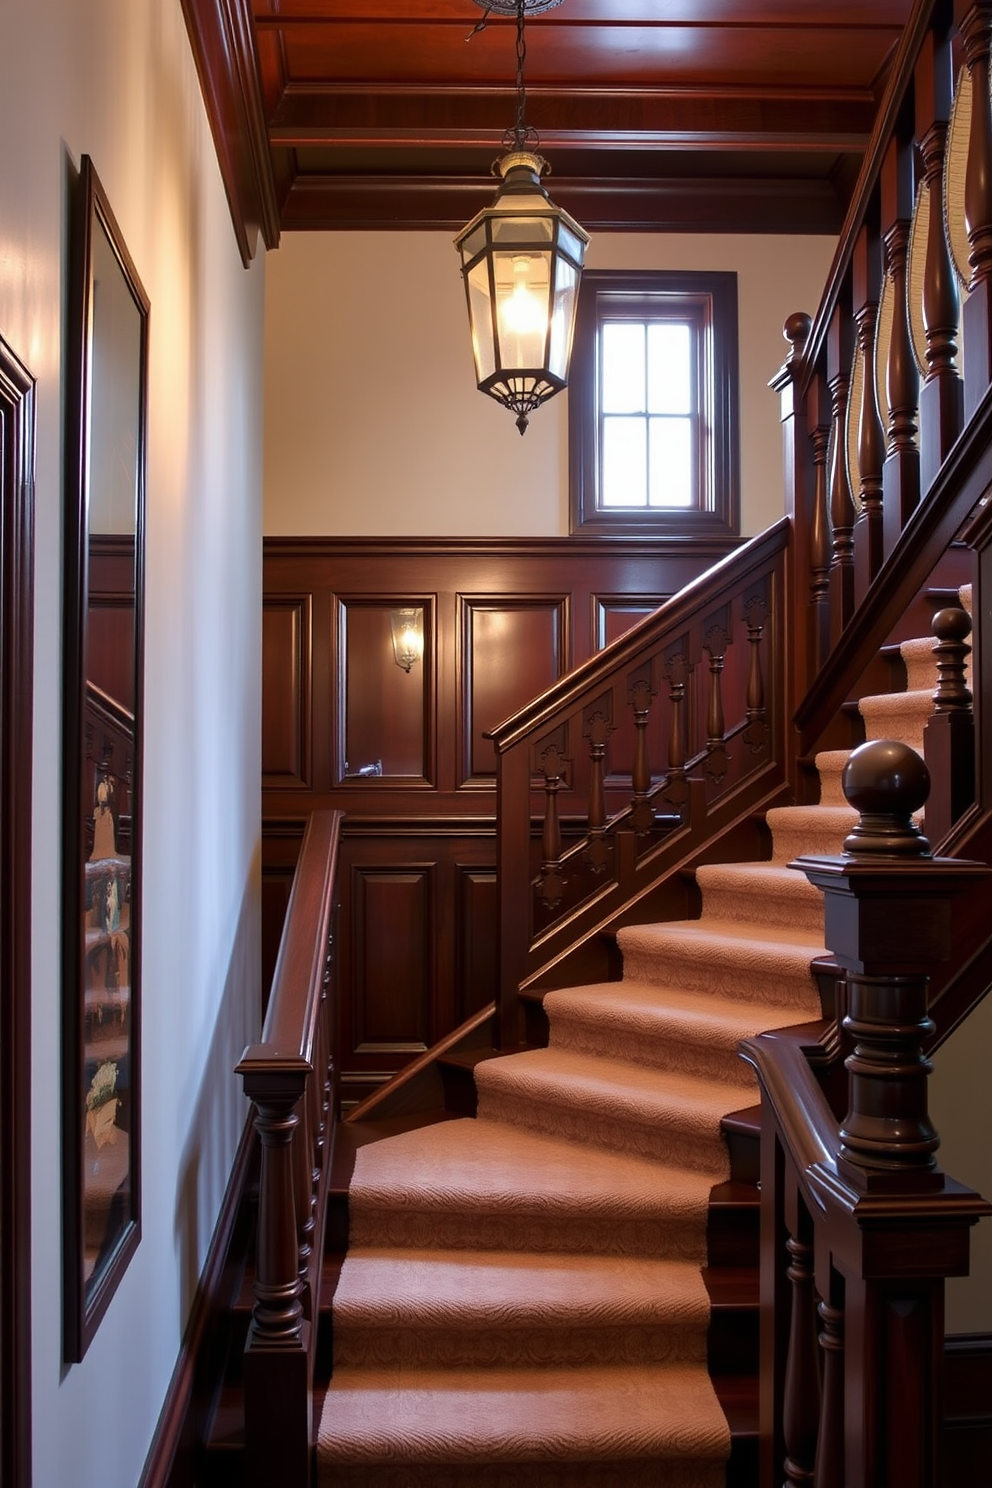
106,392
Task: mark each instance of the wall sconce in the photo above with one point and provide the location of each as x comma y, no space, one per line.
408,635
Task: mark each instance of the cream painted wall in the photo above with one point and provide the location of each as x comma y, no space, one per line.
373,425
117,81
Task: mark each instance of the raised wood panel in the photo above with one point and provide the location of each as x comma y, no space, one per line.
385,710
504,618
512,651
614,614
391,942
477,904
286,686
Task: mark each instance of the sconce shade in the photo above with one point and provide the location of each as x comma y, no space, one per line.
408,635
521,262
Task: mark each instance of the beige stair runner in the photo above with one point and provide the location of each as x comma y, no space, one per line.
522,1305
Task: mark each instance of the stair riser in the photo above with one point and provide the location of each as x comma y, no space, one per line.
662,1049
587,1123
614,1343
545,1232
616,1474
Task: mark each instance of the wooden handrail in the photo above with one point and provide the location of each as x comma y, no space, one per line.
570,691
290,1078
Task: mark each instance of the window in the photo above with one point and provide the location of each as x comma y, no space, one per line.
653,446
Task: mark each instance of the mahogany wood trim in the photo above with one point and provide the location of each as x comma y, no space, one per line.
580,546
294,1003
404,1092
17,466
723,204
630,118
223,45
183,1420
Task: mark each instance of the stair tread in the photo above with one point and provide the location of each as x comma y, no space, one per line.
503,1289
520,1415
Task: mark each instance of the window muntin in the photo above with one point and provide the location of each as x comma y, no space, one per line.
653,404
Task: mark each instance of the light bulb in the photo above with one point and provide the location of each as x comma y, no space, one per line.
523,311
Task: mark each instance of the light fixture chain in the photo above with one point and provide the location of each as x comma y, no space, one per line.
521,130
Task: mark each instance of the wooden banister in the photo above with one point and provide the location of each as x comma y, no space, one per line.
691,704
289,1077
860,1226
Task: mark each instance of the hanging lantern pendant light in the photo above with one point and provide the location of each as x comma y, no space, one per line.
521,262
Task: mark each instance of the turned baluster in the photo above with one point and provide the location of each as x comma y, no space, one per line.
756,732
949,736
901,471
801,1403
676,672
842,512
819,547
597,728
866,268
829,1468
277,1315
552,884
795,413
977,319
640,696
716,639
941,397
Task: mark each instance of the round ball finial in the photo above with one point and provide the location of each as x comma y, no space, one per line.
952,624
796,331
886,781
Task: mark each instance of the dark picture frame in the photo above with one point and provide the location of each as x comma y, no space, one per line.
103,579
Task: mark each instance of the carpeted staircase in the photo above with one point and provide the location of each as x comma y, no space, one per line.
522,1302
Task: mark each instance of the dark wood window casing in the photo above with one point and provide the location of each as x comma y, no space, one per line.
707,303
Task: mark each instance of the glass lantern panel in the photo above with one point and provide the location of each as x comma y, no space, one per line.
623,388
563,317
671,462
669,367
474,243
570,244
480,319
524,231
523,285
625,462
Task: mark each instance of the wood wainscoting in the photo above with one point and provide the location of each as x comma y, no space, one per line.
405,753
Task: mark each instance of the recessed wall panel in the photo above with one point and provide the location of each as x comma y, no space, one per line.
385,708
285,691
477,944
392,953
512,651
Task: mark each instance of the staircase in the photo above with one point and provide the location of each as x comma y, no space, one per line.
528,1294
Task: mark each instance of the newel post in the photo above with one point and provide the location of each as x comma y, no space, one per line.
276,1383
896,1225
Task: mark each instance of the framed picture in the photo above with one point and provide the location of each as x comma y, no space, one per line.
106,385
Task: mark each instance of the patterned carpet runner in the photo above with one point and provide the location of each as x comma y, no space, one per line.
522,1305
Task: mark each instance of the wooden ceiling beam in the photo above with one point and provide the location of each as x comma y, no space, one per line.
720,205
637,119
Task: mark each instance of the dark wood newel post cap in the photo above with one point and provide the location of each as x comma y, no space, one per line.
887,908
886,781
